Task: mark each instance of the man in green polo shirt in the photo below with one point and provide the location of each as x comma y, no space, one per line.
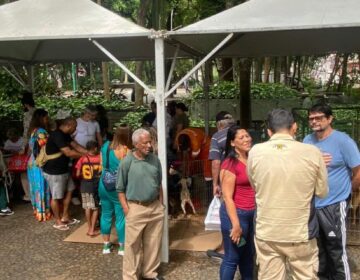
140,194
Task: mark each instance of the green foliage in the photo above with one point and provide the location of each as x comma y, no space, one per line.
133,119
201,123
12,109
230,90
8,86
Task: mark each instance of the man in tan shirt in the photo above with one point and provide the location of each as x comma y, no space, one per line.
286,176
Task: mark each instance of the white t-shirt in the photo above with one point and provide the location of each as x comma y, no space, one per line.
86,131
14,146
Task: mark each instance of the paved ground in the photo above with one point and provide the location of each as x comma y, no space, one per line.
32,250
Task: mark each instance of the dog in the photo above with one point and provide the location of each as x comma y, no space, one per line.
185,194
355,203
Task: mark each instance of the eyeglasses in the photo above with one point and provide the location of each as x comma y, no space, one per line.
316,118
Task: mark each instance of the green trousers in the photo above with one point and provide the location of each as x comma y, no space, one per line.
3,200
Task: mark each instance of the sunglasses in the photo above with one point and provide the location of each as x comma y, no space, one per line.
316,118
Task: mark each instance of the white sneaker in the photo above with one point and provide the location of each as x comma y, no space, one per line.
75,201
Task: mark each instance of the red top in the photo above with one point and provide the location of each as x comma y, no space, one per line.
244,194
90,166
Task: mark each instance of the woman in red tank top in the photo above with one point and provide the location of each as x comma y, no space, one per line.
237,211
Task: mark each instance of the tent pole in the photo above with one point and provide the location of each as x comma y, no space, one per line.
206,92
122,66
173,63
14,76
206,58
160,117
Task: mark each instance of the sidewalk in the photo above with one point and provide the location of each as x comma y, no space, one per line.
33,250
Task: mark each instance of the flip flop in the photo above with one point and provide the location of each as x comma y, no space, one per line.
71,222
61,227
93,235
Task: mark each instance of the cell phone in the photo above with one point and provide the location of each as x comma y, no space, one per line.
242,242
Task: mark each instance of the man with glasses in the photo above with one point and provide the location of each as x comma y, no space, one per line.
342,158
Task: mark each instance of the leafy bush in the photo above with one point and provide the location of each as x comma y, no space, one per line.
11,108
230,90
133,119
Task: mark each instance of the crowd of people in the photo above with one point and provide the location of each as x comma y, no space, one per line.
284,202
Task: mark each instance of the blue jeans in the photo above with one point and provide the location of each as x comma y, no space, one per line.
234,256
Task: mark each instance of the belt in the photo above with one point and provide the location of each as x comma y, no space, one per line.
142,203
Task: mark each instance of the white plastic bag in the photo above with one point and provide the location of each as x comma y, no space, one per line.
212,220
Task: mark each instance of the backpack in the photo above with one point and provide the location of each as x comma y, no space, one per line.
43,157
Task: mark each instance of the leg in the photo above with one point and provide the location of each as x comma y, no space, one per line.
25,185
183,203
119,220
70,187
231,258
152,240
94,218
136,220
55,207
332,221
88,219
246,263
107,212
192,206
271,261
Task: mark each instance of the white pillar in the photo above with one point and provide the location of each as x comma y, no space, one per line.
160,117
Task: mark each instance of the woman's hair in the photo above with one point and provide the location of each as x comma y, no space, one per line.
122,136
27,98
231,134
37,120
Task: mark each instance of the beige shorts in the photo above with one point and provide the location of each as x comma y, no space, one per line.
59,184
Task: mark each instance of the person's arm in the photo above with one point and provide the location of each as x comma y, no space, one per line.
215,172
321,189
70,152
77,147
123,202
355,182
99,139
228,187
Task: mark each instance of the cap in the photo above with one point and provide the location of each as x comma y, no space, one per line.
222,115
62,114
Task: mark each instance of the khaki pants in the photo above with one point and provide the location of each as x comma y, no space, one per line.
143,234
273,256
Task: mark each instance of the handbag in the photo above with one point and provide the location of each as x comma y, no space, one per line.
109,177
212,220
18,163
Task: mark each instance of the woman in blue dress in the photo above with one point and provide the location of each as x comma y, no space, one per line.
39,190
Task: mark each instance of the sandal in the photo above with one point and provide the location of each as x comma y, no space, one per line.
61,227
71,222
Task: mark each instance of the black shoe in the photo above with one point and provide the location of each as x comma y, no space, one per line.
214,254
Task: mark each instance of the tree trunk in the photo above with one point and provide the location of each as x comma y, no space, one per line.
334,71
226,71
343,79
139,91
245,100
258,70
267,68
277,69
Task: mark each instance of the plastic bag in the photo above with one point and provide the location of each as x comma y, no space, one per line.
212,220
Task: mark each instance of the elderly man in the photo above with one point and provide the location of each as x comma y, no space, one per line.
140,194
286,175
342,158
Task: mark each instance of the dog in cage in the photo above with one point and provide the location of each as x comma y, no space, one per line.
185,194
355,203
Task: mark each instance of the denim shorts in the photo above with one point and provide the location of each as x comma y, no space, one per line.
59,184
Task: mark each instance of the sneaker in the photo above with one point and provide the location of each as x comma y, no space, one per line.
6,212
75,201
107,248
214,254
121,250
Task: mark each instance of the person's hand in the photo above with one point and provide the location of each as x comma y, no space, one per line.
216,190
126,210
327,158
235,234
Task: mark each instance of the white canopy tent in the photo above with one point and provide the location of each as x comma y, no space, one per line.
259,28
35,31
